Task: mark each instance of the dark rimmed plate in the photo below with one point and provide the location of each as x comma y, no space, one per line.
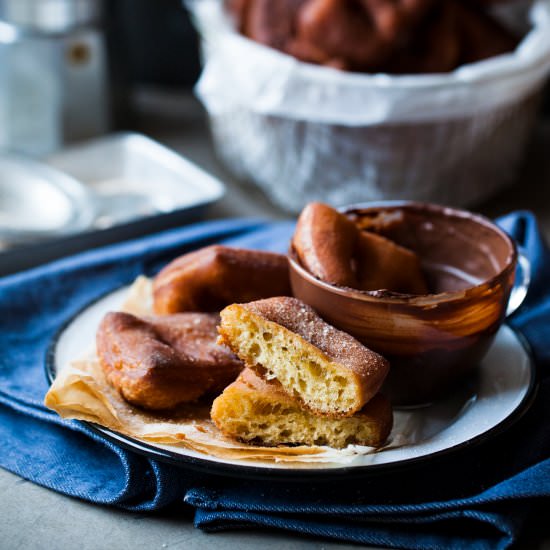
500,393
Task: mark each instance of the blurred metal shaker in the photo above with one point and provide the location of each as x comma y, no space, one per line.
53,74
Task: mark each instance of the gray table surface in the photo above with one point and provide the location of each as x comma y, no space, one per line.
32,517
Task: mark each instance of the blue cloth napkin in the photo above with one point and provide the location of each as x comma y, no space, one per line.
478,497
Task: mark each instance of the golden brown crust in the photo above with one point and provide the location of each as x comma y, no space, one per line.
332,248
325,242
329,370
383,264
355,35
160,362
255,410
250,379
394,36
395,20
213,277
271,23
339,346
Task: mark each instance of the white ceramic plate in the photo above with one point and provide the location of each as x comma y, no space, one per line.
489,402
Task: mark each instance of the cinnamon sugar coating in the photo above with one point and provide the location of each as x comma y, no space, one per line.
328,370
339,346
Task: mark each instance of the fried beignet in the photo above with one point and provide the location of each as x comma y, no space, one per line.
395,19
393,36
159,362
383,264
283,338
325,243
254,410
353,35
332,248
271,23
213,277
340,34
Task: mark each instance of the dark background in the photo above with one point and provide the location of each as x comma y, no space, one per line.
153,41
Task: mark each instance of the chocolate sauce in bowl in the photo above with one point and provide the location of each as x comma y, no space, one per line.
457,249
447,278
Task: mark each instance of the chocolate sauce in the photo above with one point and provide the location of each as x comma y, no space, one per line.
446,278
457,251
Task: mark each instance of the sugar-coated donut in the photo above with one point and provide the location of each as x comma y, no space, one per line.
341,32
159,362
394,36
259,411
334,249
325,242
384,265
328,370
395,19
271,22
213,277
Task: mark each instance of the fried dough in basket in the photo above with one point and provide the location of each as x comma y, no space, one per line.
159,362
390,36
254,410
283,338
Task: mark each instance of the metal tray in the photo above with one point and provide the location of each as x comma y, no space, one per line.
136,185
38,202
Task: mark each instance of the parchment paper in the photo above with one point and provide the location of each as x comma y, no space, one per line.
81,391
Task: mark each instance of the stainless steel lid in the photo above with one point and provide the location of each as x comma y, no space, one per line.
50,16
37,201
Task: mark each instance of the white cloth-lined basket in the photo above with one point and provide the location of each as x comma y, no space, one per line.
304,132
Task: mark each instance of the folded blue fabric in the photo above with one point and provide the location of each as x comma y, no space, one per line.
479,497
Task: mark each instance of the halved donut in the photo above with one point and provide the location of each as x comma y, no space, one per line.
259,411
328,370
